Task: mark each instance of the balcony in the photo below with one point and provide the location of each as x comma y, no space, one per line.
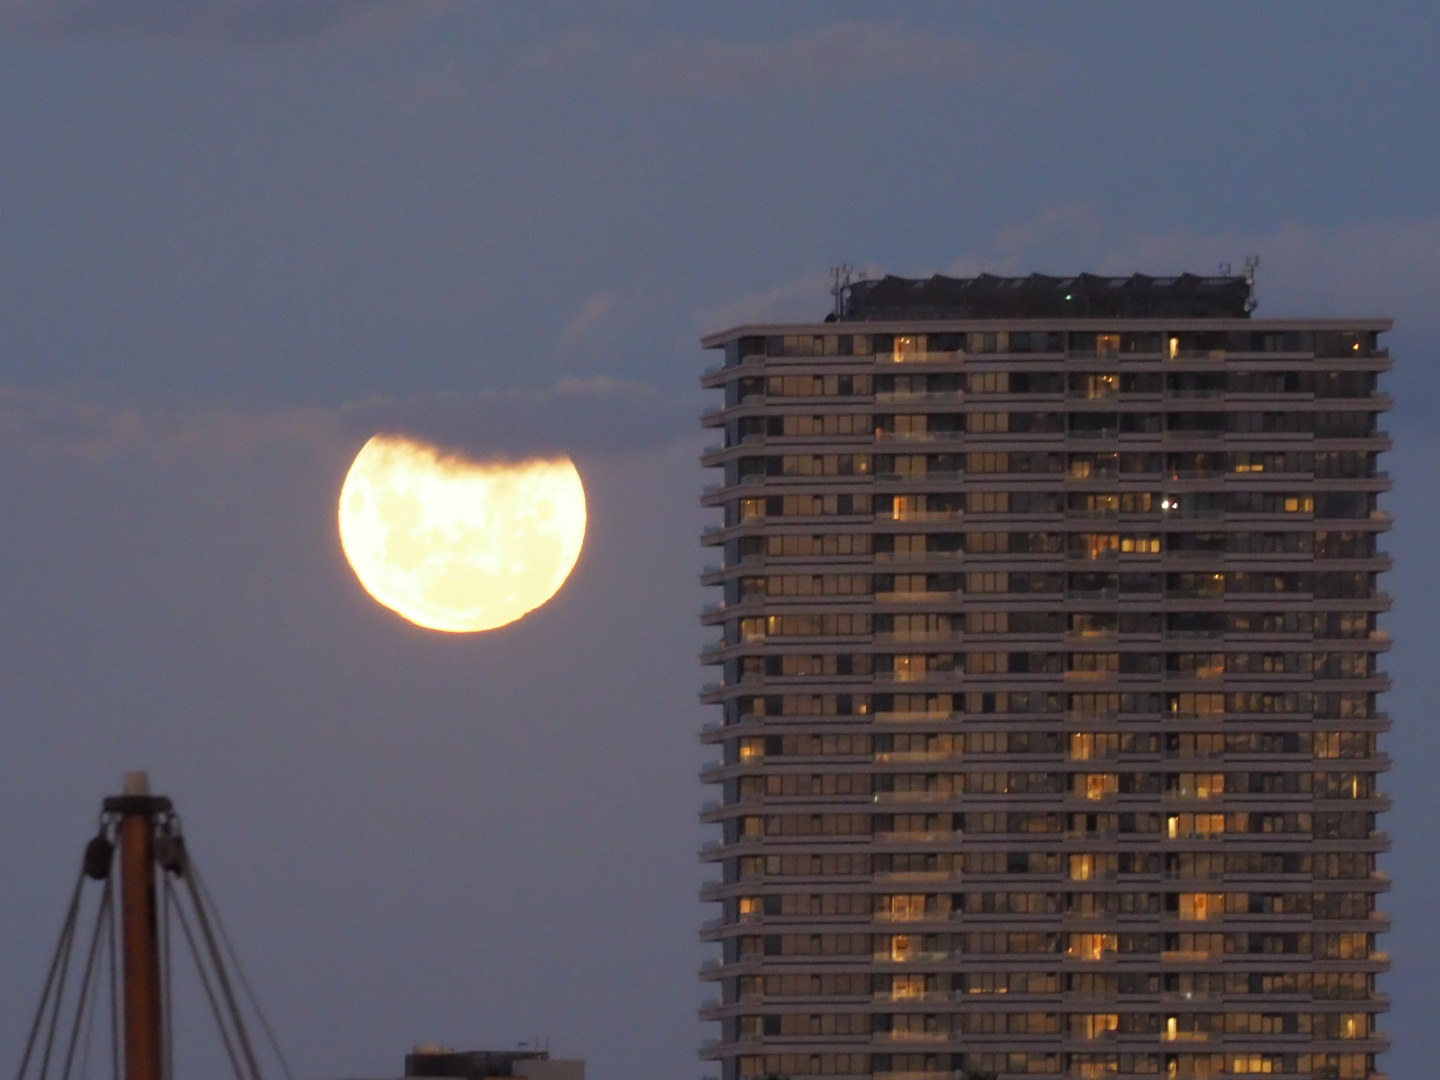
905,997
912,757
917,797
915,597
919,636
911,956
915,876
906,397
936,476
906,516
910,717
919,436
890,677
913,1037
914,837
917,357
918,556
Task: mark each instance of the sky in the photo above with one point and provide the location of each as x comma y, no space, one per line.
238,237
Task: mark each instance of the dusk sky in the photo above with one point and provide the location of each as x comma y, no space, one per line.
239,237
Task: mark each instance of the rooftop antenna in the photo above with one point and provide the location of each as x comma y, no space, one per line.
840,277
1227,269
1252,263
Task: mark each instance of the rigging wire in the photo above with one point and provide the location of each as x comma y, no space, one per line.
104,918
68,945
114,996
92,1011
216,960
202,918
205,983
67,930
85,995
239,968
167,998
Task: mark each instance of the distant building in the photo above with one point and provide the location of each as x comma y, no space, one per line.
446,1062
1048,673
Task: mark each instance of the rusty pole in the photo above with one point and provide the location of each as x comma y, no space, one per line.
140,938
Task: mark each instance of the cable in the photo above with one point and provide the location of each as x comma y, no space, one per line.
209,993
67,927
114,995
167,954
68,943
83,998
203,919
107,913
240,973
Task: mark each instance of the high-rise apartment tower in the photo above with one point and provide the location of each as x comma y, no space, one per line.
1047,709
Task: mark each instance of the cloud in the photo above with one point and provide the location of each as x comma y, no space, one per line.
560,55
598,417
1382,267
837,57
1386,267
214,22
594,311
1062,222
42,425
804,298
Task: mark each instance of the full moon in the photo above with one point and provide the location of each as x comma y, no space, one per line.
459,545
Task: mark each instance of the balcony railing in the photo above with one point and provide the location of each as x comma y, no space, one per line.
919,436
904,397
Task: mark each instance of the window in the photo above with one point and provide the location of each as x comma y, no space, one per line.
1201,907
1140,544
989,423
1093,1025
988,382
987,581
1088,745
1090,946
909,347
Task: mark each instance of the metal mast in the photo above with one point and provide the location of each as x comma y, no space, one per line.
137,810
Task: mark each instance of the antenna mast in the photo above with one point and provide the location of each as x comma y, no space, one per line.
840,277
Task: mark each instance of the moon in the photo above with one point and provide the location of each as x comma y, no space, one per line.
459,545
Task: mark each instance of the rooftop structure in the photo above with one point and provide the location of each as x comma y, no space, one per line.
1084,296
443,1061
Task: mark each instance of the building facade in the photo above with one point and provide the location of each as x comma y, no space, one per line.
1048,671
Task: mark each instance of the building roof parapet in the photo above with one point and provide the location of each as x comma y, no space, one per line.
1116,324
